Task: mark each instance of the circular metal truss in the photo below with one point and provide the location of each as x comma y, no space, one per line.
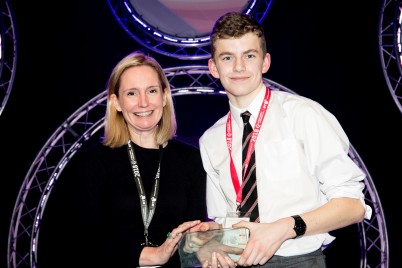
194,47
8,52
390,35
88,120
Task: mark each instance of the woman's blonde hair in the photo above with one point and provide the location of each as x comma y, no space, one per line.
116,130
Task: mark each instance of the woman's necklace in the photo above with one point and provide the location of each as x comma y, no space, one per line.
146,211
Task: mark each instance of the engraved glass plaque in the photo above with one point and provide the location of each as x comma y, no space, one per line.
196,247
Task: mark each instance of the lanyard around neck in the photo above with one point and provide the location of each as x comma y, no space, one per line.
146,211
250,149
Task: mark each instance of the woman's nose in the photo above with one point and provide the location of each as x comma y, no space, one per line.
143,100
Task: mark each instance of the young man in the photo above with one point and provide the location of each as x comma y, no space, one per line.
306,183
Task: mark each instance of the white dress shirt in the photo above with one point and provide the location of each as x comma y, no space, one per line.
302,161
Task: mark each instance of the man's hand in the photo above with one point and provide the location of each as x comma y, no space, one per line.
265,239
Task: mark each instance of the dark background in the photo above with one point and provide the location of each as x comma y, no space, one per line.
327,51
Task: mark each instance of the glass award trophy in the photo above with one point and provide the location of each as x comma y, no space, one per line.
196,247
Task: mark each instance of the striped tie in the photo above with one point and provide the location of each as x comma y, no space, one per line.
249,205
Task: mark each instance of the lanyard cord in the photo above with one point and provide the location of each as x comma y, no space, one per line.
256,131
146,211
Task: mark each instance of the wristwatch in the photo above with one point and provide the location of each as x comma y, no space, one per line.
300,226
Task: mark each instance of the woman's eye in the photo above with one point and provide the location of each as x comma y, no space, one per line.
153,90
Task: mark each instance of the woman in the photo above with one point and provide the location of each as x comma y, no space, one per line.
141,182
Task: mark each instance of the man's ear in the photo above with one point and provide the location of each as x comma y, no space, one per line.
212,68
266,63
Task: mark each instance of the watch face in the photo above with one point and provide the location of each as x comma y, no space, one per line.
300,226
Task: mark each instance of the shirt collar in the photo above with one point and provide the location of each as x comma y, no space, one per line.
253,108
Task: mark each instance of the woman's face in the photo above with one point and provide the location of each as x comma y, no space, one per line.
141,99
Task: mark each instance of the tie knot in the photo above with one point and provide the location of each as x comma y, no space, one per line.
246,116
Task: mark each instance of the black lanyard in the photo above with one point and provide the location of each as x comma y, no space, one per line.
147,212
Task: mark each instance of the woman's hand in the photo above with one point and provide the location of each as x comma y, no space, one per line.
160,255
205,226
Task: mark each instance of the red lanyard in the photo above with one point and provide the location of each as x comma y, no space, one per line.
250,149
